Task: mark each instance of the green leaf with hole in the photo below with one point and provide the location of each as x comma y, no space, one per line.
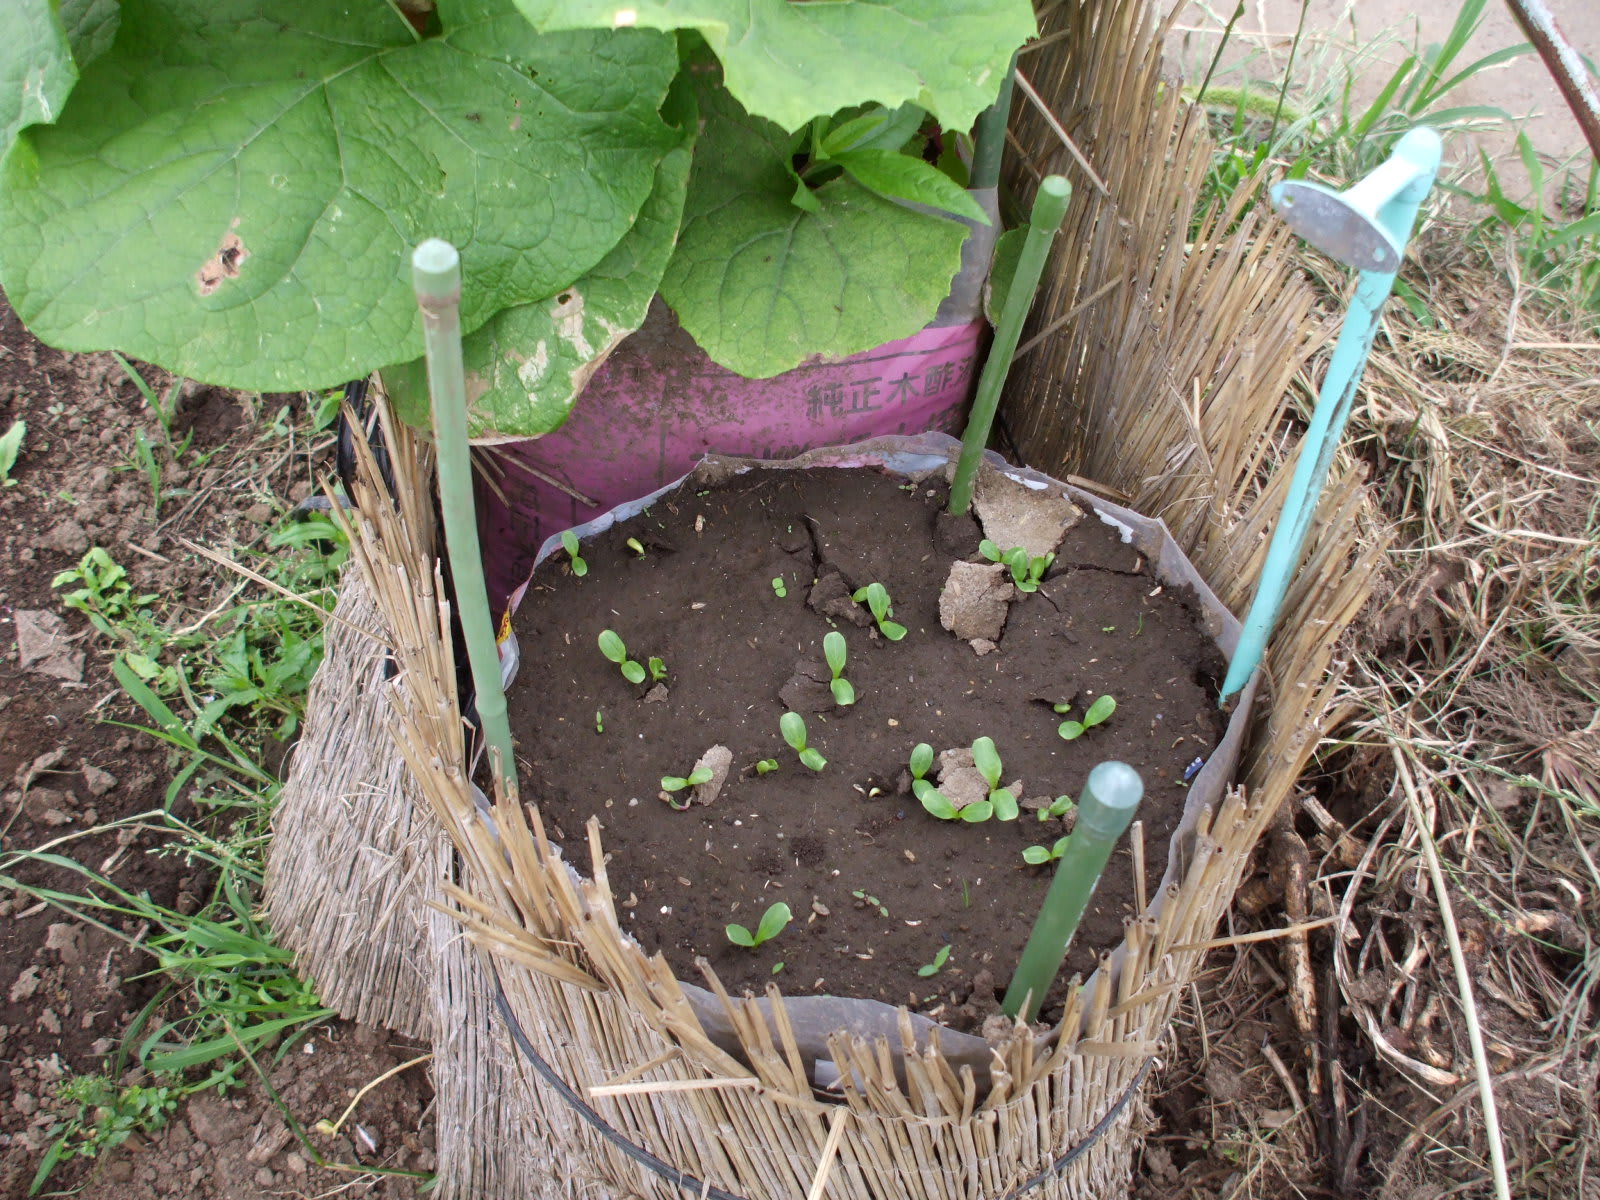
762,285
791,62
234,189
526,365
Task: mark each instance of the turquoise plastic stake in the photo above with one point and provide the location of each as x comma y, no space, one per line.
1366,227
436,275
1049,207
1105,809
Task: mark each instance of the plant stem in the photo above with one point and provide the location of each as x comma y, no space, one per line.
1049,207
1105,808
989,135
436,275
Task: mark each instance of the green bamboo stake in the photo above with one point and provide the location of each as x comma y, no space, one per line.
436,275
1104,810
1049,208
989,135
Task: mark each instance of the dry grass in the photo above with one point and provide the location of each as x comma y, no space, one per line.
1472,689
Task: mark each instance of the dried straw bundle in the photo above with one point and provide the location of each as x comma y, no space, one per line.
353,846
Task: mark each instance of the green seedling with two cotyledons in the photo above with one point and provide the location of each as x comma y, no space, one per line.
1026,572
1059,807
779,588
678,783
773,922
611,645
658,669
1001,803
793,728
937,965
1102,708
871,902
569,543
1038,855
834,650
876,597
766,766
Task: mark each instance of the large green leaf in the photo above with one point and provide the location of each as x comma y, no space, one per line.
762,285
234,189
527,364
789,62
36,68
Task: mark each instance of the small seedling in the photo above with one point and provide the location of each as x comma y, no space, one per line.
1038,855
876,598
10,447
938,804
793,728
772,923
766,766
612,647
677,783
658,670
776,967
599,721
987,759
833,649
569,543
1102,708
872,902
1059,807
1026,572
937,965
921,760
636,546
779,589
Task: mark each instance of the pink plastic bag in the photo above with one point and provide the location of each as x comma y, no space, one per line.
658,404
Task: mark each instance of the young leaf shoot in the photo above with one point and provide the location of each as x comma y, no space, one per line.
772,923
1059,807
921,759
779,588
876,598
1102,708
766,766
1039,855
793,727
613,648
937,965
569,543
987,759
833,648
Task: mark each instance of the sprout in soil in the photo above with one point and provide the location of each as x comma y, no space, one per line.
872,902
599,721
876,598
987,759
776,967
793,728
1025,572
1036,855
612,647
772,923
833,649
1059,807
1102,708
636,546
569,543
779,588
676,783
766,766
658,670
937,965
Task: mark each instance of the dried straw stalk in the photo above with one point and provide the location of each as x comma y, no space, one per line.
352,844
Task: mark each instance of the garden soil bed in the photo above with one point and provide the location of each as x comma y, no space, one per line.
877,885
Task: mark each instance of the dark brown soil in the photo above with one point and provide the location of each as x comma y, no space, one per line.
877,885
